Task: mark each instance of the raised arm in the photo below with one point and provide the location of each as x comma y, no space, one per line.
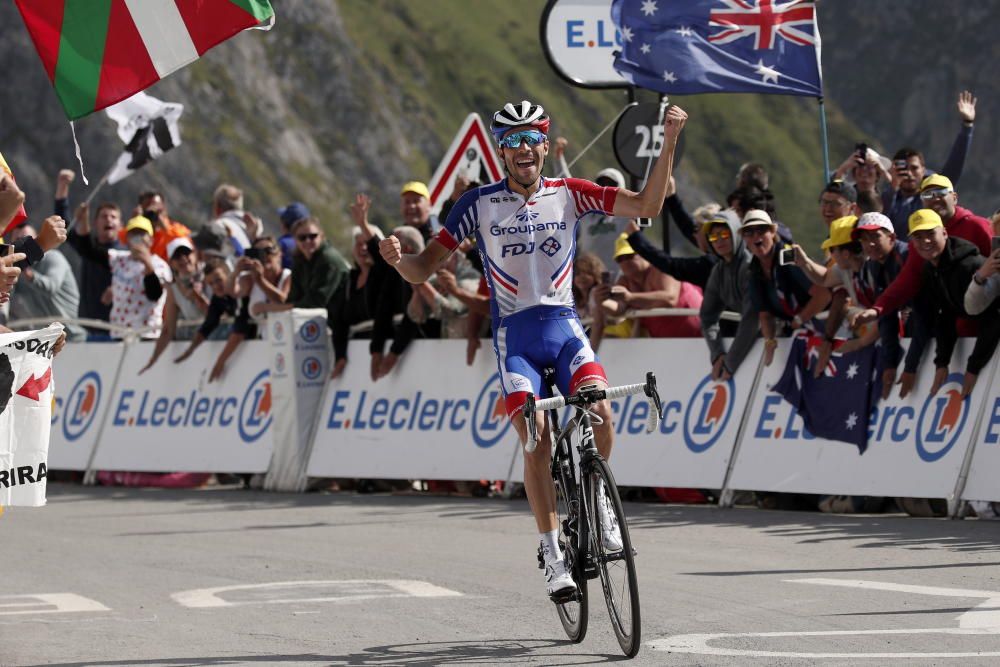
414,268
648,202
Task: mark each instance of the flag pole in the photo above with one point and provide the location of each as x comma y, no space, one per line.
826,147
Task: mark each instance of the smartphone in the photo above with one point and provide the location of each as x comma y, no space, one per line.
645,222
996,245
900,164
786,256
252,253
862,152
606,275
7,249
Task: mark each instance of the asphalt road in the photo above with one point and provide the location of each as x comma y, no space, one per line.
118,577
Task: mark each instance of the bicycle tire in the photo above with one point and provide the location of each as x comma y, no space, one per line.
573,536
617,569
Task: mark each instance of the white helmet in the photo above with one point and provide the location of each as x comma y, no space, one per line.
515,115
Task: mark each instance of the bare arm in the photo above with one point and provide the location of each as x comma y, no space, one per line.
649,202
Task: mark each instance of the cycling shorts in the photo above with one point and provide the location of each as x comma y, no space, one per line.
531,340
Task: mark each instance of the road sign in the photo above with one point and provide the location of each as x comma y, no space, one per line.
471,155
579,39
638,139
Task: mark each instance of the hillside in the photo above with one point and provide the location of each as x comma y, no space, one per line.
351,95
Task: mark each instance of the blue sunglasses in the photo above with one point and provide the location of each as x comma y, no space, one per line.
531,137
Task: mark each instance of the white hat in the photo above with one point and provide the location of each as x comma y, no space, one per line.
612,174
756,217
179,242
873,220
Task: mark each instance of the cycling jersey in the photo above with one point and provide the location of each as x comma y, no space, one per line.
528,247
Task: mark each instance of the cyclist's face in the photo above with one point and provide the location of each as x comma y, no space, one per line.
524,162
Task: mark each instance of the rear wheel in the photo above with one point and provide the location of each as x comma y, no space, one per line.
617,568
572,534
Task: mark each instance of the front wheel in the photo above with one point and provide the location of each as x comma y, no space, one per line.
616,565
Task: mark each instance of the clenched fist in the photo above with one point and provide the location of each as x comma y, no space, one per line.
390,250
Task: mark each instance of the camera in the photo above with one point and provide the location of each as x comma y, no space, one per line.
996,245
151,215
253,253
6,248
786,256
861,152
606,275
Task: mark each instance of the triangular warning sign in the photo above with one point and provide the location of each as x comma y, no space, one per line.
472,155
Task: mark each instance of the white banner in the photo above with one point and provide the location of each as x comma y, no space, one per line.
171,419
436,418
984,475
916,446
580,40
26,389
86,378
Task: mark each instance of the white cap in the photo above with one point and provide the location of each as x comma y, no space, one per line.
756,217
179,242
612,174
874,220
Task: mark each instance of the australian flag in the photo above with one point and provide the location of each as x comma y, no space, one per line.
836,405
720,46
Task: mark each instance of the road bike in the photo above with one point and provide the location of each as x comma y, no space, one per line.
579,488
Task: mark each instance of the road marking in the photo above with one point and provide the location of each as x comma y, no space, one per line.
339,591
47,603
984,619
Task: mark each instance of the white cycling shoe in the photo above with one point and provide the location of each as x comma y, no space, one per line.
558,584
611,534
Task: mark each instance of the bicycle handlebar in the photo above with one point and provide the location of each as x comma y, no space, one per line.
588,397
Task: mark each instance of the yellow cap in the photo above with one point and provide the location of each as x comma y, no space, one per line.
840,232
924,219
416,187
936,181
139,222
622,246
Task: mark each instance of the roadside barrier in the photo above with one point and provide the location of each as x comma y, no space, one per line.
276,411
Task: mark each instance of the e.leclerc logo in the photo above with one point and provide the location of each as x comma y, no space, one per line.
312,368
486,417
310,331
252,412
708,413
941,420
81,406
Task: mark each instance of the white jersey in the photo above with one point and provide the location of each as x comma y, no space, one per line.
527,247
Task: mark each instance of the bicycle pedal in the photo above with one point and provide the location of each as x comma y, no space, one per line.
566,595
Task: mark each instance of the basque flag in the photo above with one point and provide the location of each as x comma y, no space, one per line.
720,46
838,404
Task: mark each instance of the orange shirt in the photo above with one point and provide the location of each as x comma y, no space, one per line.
162,237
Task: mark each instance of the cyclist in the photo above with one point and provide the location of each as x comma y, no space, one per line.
525,227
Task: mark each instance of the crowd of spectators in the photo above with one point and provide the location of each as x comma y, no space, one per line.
901,259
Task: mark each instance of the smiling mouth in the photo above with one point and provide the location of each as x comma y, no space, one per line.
525,163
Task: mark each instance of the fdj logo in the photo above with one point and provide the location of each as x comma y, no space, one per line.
708,413
81,405
255,408
489,415
310,331
515,249
942,419
312,368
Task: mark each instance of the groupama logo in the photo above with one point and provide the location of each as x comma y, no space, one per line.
941,420
80,406
708,413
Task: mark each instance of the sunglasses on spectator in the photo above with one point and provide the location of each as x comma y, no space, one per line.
267,249
307,237
530,137
937,193
720,235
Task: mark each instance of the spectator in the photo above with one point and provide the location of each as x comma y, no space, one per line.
869,201
230,222
351,307
186,298
837,200
777,292
262,284
47,289
415,209
951,265
727,290
596,232
958,222
752,174
886,256
288,216
223,303
95,275
642,287
153,206
985,286
137,278
694,270
391,299
910,170
864,172
318,270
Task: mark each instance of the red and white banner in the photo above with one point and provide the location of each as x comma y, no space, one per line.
26,390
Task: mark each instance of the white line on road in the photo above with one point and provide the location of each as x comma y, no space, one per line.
344,591
47,603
